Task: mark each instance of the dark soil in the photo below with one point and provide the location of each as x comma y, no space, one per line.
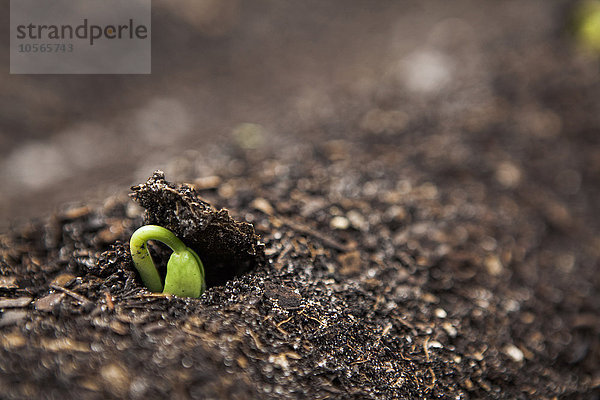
433,245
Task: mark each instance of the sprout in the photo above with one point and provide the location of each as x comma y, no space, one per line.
185,272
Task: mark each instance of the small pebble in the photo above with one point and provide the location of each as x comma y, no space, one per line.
339,223
440,313
263,205
514,352
508,174
450,329
49,303
226,190
207,182
527,317
493,265
357,221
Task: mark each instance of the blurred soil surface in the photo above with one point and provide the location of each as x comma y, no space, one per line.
425,180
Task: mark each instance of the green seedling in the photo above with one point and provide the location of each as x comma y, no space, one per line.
185,272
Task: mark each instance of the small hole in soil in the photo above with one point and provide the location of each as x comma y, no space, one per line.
217,272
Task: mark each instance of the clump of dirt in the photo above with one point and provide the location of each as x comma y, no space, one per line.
229,247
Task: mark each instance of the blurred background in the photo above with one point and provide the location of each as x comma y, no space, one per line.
275,73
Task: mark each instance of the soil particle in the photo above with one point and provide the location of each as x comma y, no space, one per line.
285,297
